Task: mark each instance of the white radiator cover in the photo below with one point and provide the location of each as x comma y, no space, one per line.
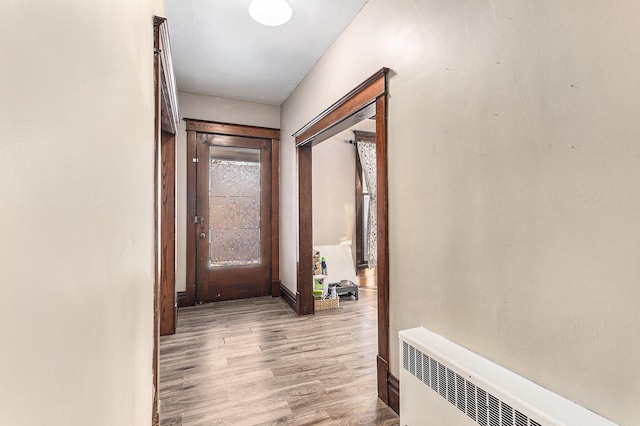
443,384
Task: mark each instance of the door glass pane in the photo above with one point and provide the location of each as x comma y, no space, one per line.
234,206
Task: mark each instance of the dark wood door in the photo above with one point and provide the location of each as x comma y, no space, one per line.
233,208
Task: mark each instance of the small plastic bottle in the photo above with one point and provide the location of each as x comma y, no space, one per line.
323,264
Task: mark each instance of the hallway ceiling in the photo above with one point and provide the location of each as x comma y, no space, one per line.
219,50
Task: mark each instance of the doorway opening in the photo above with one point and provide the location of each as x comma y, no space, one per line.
369,99
344,197
232,212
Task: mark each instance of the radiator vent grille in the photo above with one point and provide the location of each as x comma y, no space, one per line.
471,400
521,419
451,386
507,414
434,373
442,380
480,406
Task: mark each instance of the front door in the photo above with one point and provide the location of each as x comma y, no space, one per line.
233,208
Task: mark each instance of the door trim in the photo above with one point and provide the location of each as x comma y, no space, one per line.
194,126
352,108
165,126
167,177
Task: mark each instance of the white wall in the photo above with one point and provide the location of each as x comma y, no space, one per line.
210,108
513,169
77,221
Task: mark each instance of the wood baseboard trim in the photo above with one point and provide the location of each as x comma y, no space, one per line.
388,386
288,296
275,288
383,375
182,299
175,319
191,294
393,386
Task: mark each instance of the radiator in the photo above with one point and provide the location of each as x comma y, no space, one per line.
443,384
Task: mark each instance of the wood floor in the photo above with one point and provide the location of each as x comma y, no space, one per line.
254,362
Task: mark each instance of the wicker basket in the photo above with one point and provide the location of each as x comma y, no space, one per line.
322,304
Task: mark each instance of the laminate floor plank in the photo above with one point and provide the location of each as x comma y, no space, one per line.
254,362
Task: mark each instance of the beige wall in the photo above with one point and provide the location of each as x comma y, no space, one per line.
77,221
513,169
210,108
334,201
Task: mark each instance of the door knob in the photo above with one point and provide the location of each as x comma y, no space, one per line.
203,235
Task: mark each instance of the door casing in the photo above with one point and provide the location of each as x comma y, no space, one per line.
368,98
195,126
165,128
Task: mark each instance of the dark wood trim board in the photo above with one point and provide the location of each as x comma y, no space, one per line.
182,299
288,297
348,110
275,288
394,393
167,233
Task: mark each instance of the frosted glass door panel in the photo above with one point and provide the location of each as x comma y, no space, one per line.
234,206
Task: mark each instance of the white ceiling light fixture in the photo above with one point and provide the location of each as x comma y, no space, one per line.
270,12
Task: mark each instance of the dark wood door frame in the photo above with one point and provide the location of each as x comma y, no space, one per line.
201,126
362,102
168,308
165,128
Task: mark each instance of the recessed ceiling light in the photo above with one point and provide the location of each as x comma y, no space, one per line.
270,12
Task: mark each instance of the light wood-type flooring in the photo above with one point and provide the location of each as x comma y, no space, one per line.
254,362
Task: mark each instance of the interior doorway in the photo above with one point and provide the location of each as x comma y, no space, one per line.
219,265
344,199
367,100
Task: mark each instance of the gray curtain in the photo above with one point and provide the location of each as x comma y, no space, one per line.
367,153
